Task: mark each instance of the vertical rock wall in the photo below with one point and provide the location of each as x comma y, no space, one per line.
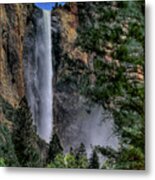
13,25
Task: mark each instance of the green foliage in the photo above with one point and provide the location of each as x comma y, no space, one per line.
81,156
7,151
115,32
25,138
68,161
19,143
58,162
69,75
54,148
2,163
128,157
7,109
94,161
74,159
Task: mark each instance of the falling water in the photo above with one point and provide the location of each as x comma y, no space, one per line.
38,74
43,55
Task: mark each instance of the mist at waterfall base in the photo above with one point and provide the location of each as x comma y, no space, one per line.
84,122
86,128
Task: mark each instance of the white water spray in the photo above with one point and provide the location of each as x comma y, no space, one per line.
38,74
45,79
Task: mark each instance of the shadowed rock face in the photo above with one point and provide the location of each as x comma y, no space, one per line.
13,26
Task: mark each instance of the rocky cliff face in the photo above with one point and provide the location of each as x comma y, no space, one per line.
14,21
13,25
69,23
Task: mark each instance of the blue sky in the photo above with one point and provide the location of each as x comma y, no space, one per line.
48,6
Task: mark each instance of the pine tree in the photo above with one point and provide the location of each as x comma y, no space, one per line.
55,148
94,161
81,156
25,138
80,151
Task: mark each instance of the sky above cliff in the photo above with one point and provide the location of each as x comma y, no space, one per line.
48,6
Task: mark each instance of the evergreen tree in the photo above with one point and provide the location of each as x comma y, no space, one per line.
70,161
80,151
2,163
71,151
74,159
81,156
55,148
58,162
94,161
25,138
7,149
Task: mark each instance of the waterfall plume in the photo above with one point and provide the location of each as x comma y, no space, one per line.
38,74
45,79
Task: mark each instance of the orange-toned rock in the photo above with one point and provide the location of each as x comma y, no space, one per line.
77,54
69,24
12,23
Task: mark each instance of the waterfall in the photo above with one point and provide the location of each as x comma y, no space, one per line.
38,74
43,54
